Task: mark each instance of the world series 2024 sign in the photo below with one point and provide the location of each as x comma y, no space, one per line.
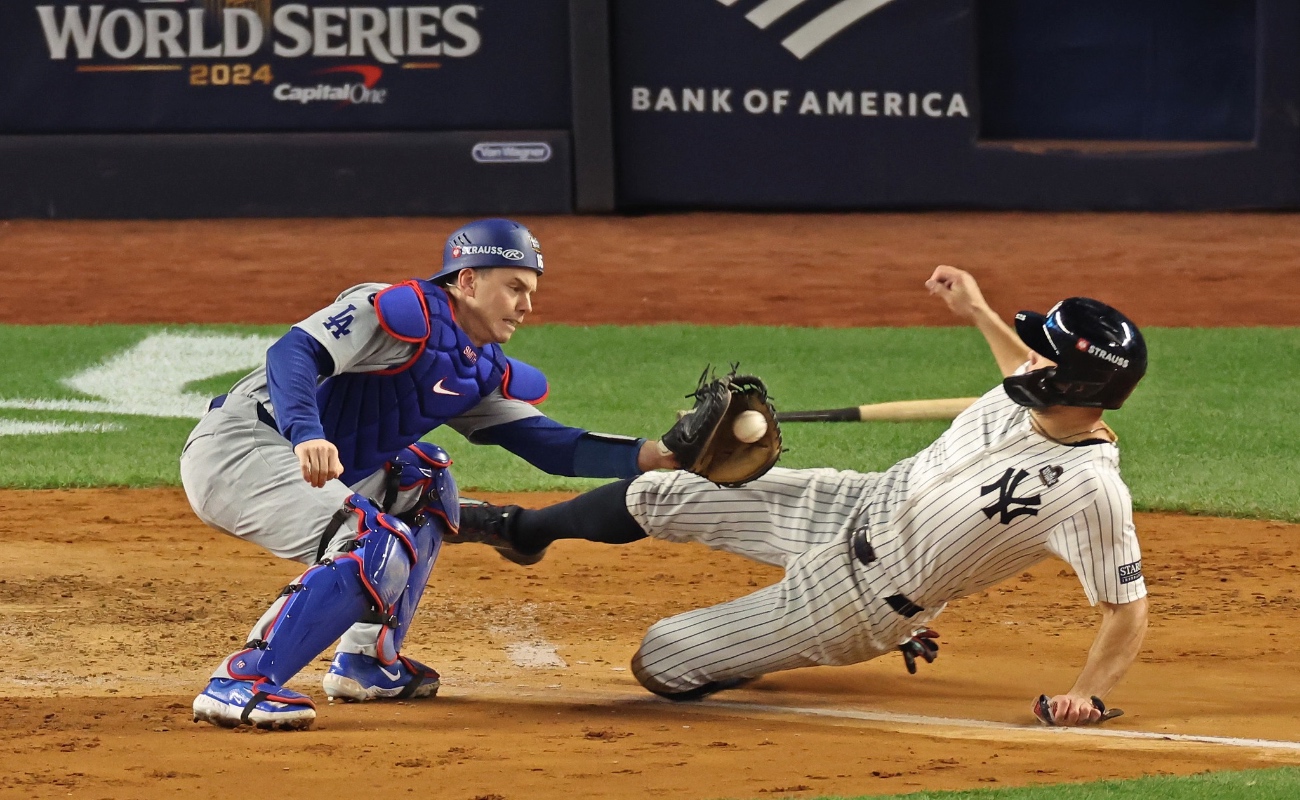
257,65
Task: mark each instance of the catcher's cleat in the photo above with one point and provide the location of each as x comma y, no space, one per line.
230,703
488,524
357,678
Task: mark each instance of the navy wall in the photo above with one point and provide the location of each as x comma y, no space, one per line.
1171,70
192,108
1158,104
143,108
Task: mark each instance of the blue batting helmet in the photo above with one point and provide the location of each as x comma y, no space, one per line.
490,243
1100,356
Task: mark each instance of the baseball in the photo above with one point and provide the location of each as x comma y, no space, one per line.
749,426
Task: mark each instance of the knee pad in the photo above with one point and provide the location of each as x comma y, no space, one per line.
365,582
419,479
384,550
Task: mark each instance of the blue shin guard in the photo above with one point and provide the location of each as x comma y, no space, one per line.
428,542
422,466
365,578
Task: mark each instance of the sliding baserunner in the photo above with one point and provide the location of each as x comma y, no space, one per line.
1028,472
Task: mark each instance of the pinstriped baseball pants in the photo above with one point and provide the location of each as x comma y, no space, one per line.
825,610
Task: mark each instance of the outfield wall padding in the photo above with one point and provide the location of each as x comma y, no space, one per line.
1034,104
167,176
193,108
190,108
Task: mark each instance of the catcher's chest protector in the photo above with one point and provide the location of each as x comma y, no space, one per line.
371,416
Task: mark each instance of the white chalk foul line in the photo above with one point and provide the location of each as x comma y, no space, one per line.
957,722
596,697
14,427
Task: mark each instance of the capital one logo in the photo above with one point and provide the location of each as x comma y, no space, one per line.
815,33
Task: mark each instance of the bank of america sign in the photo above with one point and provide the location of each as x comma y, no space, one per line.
815,33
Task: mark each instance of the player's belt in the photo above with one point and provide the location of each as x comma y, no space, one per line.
866,554
262,413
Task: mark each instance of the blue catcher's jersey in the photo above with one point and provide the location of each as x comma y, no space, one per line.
383,366
371,416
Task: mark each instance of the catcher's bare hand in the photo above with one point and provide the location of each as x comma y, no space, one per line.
654,455
319,459
921,645
1068,710
958,289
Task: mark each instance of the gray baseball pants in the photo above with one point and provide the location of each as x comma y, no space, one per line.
242,478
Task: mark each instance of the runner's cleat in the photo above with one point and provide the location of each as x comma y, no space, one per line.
488,524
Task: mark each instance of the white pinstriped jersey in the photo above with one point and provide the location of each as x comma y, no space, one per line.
990,497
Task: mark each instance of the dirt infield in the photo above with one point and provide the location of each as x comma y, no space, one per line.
115,604
834,269
113,618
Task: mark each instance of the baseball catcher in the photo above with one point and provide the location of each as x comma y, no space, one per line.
316,456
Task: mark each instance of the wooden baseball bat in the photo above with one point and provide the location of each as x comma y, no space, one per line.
898,411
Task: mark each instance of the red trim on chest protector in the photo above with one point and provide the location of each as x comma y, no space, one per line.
505,389
424,343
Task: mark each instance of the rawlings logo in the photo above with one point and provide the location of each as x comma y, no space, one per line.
487,250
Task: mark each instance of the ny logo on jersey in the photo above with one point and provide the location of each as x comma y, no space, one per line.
340,324
1006,489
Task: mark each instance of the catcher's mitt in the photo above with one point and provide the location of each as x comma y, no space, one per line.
703,440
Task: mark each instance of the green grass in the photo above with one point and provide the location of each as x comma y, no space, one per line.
1210,431
144,453
1274,784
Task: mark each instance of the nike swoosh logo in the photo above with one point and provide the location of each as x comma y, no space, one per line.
438,389
392,676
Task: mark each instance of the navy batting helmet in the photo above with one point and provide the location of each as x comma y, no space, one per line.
490,243
1100,356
